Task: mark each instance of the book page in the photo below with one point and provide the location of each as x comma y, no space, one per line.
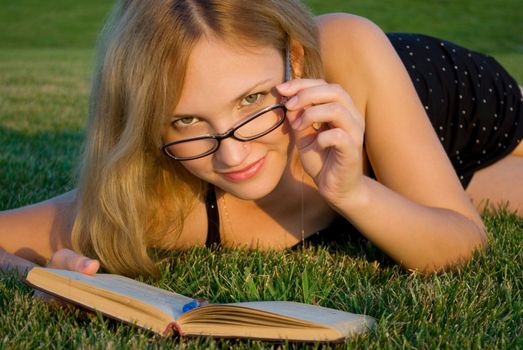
345,322
169,302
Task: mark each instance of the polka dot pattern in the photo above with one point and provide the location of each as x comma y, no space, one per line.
474,105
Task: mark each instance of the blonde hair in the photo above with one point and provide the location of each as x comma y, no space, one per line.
130,196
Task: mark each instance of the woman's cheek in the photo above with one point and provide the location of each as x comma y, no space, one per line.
200,168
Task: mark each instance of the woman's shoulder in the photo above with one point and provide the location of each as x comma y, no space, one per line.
333,23
352,48
340,32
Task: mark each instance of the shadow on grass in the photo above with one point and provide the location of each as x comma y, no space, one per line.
34,167
341,237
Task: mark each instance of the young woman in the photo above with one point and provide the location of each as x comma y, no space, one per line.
199,134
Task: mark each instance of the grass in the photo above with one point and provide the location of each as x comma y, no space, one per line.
45,62
478,306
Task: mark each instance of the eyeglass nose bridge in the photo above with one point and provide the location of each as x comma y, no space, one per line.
220,137
231,132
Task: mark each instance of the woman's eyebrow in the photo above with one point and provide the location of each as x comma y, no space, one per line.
233,102
250,90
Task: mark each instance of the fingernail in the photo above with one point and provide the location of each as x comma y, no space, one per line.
284,86
292,102
86,263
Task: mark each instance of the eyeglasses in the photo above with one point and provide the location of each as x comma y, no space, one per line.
250,128
254,126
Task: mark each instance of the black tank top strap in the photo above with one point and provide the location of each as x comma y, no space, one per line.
213,218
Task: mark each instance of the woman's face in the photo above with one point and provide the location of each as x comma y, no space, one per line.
223,85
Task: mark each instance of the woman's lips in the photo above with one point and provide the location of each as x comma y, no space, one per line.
245,173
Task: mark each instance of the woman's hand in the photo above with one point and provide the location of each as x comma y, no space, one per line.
68,260
328,132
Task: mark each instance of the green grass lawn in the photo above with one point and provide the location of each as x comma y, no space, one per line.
45,63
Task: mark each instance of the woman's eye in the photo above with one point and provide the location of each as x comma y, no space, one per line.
186,121
252,98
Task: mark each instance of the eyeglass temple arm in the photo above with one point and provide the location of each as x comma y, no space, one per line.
287,61
287,70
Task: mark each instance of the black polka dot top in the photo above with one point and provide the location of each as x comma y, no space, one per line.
474,105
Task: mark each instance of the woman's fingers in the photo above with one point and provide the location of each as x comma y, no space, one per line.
291,87
303,93
316,94
69,260
328,132
333,148
330,116
306,95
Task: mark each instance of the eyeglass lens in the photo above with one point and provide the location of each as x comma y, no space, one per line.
256,127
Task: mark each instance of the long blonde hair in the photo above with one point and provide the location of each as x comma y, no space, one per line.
130,196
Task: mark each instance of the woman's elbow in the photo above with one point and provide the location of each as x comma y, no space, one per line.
452,259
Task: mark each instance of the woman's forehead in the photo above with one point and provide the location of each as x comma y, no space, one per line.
218,72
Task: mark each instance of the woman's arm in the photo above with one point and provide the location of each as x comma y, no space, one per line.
12,262
31,235
36,231
418,213
40,234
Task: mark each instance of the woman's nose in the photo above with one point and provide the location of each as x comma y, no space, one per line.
232,152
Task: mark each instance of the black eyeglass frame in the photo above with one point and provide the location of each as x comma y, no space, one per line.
230,133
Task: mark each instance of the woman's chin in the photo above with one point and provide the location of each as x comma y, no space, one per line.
252,191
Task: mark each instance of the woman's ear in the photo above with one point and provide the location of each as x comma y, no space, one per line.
297,59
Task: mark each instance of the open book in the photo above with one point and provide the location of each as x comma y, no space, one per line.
161,311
